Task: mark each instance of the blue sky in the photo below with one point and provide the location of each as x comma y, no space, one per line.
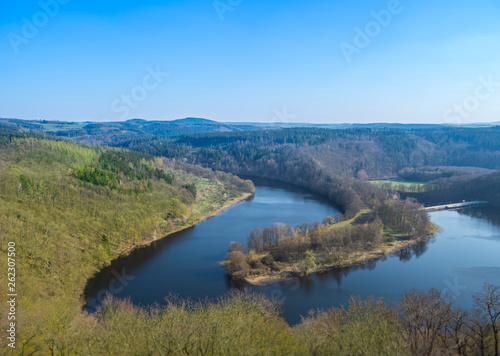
230,60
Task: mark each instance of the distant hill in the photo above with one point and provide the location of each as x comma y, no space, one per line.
196,121
186,121
376,152
104,133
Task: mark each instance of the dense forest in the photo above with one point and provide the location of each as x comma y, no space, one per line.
378,152
102,133
68,222
331,162
313,157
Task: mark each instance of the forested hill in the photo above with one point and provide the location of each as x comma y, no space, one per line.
377,152
333,163
102,133
70,209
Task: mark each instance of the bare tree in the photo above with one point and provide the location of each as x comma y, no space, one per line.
488,303
237,265
477,330
454,332
255,240
235,246
423,316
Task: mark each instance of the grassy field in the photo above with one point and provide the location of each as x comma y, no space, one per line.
62,127
355,220
402,186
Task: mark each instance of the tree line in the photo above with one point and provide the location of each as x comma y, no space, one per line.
422,323
485,187
337,163
330,244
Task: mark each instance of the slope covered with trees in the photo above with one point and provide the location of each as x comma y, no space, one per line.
325,161
103,133
336,163
67,222
378,152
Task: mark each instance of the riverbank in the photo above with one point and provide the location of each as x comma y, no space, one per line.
129,249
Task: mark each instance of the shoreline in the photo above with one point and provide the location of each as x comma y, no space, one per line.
229,204
128,250
292,272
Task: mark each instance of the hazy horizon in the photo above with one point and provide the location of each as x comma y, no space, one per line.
257,122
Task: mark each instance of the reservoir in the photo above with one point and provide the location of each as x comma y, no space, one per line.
458,260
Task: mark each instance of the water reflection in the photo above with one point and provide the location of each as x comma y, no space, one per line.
187,263
416,249
127,264
489,214
406,254
465,251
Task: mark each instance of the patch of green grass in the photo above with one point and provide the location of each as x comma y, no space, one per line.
400,185
354,219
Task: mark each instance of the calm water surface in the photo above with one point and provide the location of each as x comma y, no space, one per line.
464,255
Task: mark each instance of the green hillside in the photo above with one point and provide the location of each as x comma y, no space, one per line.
71,209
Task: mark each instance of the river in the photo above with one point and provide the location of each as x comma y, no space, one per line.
458,260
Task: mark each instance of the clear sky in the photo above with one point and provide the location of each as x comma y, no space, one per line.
232,60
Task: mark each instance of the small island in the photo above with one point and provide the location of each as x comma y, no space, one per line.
281,252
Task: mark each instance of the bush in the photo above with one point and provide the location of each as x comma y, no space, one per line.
237,265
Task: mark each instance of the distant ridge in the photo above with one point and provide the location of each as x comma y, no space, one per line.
196,121
185,121
99,133
137,121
